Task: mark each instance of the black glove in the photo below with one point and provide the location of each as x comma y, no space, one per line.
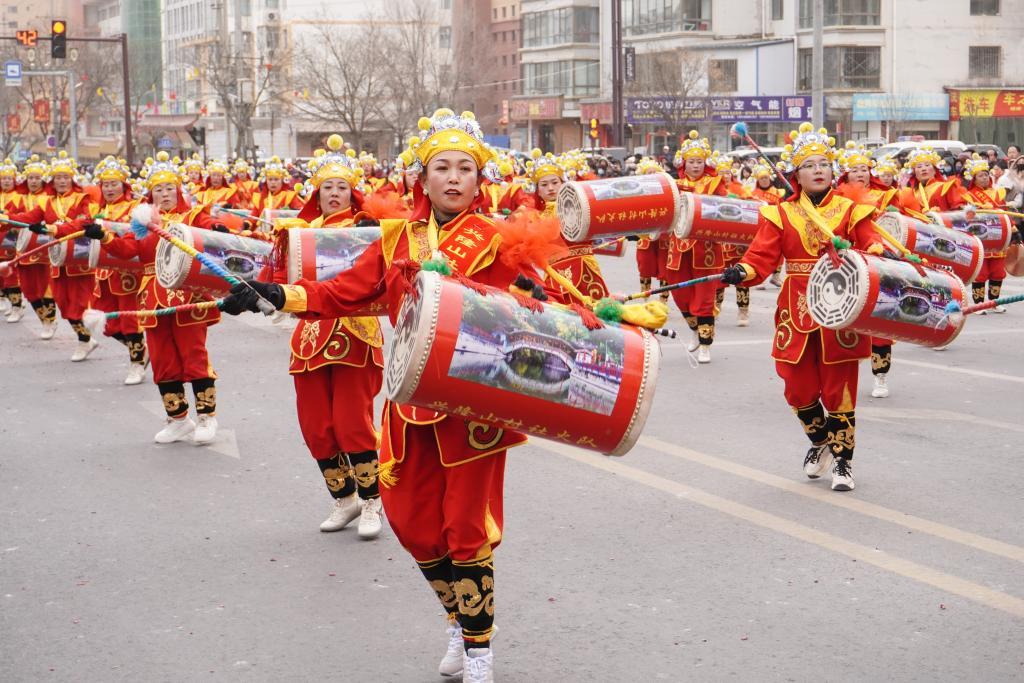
244,297
219,227
367,223
94,231
38,228
734,275
535,290
632,238
1016,237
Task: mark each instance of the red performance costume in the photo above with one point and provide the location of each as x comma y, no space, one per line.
267,199
177,342
690,259
982,195
34,272
651,252
11,201
817,365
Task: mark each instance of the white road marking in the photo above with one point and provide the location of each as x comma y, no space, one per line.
962,371
884,415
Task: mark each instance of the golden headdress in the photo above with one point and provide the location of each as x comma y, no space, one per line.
445,131
334,162
808,142
695,146
111,169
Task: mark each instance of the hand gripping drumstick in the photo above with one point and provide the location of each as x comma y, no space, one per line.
265,306
157,312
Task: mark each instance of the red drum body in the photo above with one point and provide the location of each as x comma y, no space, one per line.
616,207
323,254
71,253
886,298
243,257
8,243
993,229
99,258
488,359
613,248
725,220
944,247
27,239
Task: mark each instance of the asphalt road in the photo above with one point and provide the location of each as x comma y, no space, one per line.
704,554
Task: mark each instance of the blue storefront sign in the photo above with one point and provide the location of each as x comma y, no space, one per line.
901,107
667,110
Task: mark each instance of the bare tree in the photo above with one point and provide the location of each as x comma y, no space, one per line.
674,76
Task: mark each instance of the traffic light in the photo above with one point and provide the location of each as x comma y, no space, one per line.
58,39
594,123
198,136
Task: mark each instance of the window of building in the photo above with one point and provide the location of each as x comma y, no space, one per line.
984,61
847,67
504,12
504,60
575,78
446,4
778,7
984,8
722,75
640,17
494,13
843,13
513,10
560,26
444,37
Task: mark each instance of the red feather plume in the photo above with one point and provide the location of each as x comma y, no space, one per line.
529,238
383,205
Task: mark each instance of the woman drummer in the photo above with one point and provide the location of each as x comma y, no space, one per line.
337,362
11,201
217,190
441,475
651,251
818,366
177,343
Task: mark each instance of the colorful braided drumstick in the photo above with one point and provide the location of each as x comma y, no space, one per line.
17,224
953,309
668,288
157,312
739,130
5,266
145,218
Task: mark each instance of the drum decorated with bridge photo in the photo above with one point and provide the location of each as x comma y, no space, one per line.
243,257
488,359
944,247
886,298
71,253
617,207
993,229
726,220
99,258
323,254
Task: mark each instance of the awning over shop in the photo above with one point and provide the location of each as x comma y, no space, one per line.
168,122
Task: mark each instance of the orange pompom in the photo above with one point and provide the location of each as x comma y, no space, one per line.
530,239
383,205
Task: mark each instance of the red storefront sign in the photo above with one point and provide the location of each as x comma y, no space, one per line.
13,123
41,111
998,104
65,111
536,108
602,111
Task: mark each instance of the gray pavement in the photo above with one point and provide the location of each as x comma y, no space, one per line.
704,554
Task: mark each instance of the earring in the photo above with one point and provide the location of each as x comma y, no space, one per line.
426,193
476,193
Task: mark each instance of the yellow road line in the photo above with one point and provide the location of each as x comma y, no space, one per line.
846,502
911,570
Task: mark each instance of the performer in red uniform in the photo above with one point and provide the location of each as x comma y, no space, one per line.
67,211
982,195
441,476
929,190
217,190
272,193
11,201
337,363
119,291
818,366
732,252
34,272
651,252
689,259
177,343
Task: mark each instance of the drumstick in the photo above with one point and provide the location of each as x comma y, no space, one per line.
664,332
953,308
669,288
1000,211
245,214
5,266
184,308
739,130
17,224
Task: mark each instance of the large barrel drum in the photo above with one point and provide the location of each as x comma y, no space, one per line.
993,229
71,253
885,298
726,220
616,207
243,257
486,358
944,247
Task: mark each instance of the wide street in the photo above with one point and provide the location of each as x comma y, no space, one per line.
702,555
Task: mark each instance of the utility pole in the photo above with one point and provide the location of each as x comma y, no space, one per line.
818,66
617,77
129,144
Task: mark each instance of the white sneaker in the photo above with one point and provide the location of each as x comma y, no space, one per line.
694,342
16,314
479,666
83,350
881,389
452,663
370,522
704,354
49,329
817,461
135,374
175,430
743,317
842,475
206,429
345,510
999,309
982,313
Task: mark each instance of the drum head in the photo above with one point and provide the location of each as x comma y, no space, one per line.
173,264
414,336
684,222
645,394
573,212
836,296
58,254
24,237
94,253
891,223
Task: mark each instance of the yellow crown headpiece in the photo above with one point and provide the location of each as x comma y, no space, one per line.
695,146
544,165
648,165
761,171
275,168
334,162
855,155
8,169
886,164
217,166
808,142
35,165
445,132
111,169
721,164
923,155
241,166
193,163
161,170
975,165
62,163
